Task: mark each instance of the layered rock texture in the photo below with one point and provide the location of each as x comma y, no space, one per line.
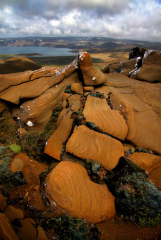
69,186
110,121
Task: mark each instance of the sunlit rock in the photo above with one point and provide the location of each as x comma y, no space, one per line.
55,143
88,144
111,122
94,104
91,76
69,187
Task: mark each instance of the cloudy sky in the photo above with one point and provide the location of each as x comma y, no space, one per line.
130,19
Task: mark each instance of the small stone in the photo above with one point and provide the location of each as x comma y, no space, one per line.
17,165
88,88
22,132
12,213
27,231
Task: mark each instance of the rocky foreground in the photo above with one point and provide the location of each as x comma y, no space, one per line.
79,143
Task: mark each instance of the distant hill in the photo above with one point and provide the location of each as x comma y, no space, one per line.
18,64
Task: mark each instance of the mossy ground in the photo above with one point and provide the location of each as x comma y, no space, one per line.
137,199
69,228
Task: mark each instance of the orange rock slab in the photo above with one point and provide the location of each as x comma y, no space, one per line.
55,143
69,187
151,68
144,124
111,122
94,104
88,144
77,88
91,76
150,163
39,110
146,161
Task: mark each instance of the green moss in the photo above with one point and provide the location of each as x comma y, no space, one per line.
132,150
68,89
15,148
96,94
8,129
137,199
69,228
14,178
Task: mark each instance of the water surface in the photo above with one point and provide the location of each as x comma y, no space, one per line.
46,51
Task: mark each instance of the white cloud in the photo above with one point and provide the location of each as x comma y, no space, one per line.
133,19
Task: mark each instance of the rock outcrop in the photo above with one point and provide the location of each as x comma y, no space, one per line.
91,76
107,130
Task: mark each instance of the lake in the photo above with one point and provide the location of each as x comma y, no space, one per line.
48,51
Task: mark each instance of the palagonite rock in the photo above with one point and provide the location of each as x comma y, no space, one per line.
151,163
73,98
111,122
151,68
91,76
55,143
94,104
144,124
69,186
6,230
88,144
76,106
13,213
148,73
77,88
39,110
146,161
14,79
89,88
62,115
29,89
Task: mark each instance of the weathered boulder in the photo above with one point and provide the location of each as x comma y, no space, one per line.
91,76
111,122
77,88
88,144
69,186
151,68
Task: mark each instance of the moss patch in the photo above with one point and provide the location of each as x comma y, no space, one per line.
68,228
137,199
15,148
